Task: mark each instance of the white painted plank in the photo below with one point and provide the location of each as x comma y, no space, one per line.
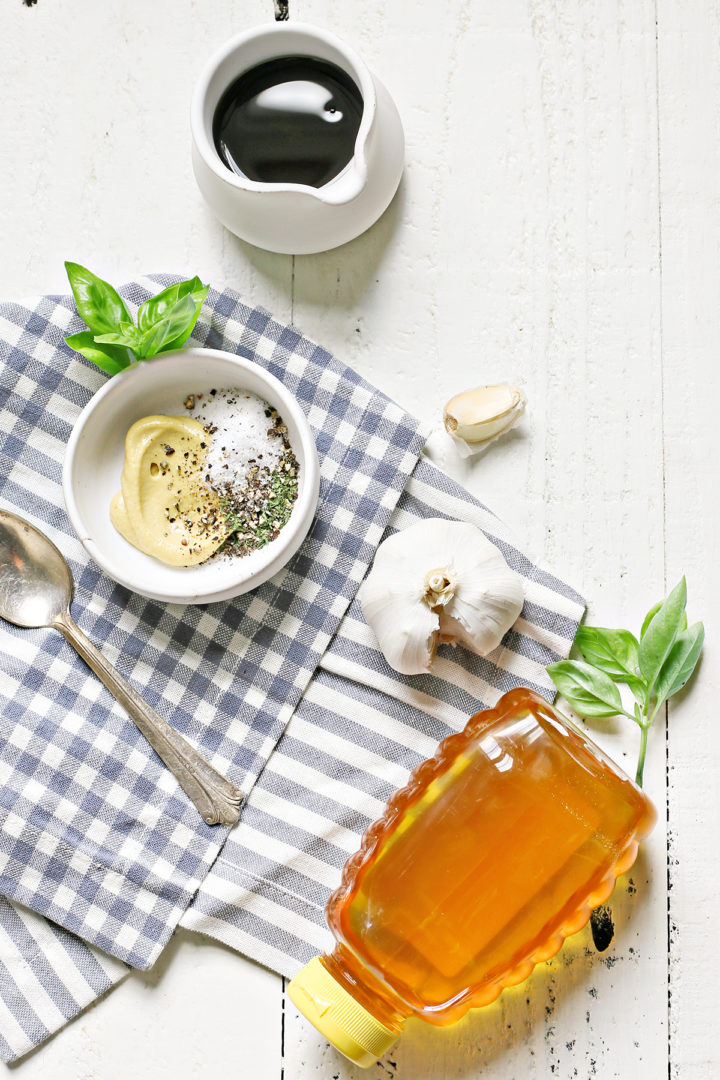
524,246
95,129
96,167
689,54
201,1012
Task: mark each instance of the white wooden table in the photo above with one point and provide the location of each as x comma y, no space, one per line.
558,226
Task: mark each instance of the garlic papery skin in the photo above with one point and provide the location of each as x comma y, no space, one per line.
438,581
476,417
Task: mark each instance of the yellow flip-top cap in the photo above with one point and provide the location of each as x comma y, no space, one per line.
338,1016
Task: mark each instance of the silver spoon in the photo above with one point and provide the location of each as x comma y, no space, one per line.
36,590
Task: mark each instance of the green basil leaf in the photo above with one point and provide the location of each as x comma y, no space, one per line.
661,632
638,688
613,651
651,615
99,305
179,341
680,663
157,307
177,323
590,692
127,335
111,358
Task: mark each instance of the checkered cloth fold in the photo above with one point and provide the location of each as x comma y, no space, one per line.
93,832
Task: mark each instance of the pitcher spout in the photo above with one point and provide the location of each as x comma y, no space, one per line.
346,186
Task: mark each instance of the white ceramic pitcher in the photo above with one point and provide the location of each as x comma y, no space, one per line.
296,218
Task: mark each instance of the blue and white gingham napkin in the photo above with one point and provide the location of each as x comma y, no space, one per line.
94,833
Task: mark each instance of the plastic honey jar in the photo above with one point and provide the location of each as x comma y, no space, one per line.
498,848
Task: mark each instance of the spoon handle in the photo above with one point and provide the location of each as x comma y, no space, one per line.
216,798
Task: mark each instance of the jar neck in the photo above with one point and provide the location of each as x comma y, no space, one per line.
372,993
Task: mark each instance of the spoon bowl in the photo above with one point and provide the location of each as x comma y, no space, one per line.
36,585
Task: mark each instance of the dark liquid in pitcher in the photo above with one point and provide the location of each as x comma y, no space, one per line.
293,120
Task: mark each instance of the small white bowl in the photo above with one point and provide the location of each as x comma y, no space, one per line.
94,460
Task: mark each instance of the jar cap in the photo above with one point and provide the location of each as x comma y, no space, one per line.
336,1014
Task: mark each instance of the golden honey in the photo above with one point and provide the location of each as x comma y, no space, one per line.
497,849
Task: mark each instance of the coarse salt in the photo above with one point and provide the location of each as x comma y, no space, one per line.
241,441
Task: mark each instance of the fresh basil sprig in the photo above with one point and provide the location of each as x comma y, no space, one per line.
653,668
113,341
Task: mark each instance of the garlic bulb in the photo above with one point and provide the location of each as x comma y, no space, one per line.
438,581
476,417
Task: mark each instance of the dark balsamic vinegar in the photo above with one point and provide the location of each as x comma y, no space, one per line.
292,120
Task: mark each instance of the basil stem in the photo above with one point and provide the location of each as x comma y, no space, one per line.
644,728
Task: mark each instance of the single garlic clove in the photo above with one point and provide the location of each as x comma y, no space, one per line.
484,608
407,630
488,596
476,417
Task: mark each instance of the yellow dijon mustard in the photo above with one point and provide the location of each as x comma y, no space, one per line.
164,507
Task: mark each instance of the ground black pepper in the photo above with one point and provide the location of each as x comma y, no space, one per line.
258,504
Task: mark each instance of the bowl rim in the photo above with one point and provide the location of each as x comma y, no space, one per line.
279,552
